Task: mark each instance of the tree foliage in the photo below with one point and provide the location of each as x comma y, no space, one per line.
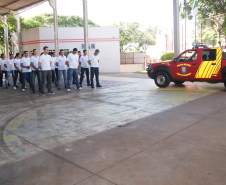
39,21
211,13
47,20
133,38
12,28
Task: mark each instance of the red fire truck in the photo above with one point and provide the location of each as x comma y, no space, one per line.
194,65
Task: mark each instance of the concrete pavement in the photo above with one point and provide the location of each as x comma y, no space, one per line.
181,143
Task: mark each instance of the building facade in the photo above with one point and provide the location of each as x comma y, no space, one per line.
104,38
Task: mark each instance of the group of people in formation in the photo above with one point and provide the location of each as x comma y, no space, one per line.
47,70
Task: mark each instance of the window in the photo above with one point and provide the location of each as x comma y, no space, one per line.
209,55
91,46
224,55
188,56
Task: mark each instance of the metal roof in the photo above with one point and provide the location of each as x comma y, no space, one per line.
7,6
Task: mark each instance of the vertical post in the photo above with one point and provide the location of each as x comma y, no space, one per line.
195,29
19,36
176,27
53,4
201,33
6,36
85,19
185,24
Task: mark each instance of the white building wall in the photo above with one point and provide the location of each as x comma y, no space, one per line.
104,38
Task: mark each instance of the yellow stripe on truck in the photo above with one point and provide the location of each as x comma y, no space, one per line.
207,69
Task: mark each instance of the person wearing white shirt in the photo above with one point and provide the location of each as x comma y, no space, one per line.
35,71
53,67
11,67
1,74
45,61
17,72
72,63
94,63
6,70
62,68
85,67
26,70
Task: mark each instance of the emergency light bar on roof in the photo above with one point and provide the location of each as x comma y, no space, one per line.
7,6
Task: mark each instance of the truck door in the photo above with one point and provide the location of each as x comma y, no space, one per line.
186,65
210,64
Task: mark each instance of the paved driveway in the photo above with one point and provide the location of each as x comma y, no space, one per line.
30,123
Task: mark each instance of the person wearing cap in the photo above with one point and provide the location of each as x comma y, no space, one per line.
72,64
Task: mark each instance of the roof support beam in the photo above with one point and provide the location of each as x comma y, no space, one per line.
53,4
85,19
6,35
176,27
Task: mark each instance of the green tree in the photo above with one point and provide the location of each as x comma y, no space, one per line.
212,13
38,21
12,28
47,20
131,36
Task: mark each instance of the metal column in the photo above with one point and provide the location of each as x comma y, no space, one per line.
6,36
85,19
53,4
19,36
176,27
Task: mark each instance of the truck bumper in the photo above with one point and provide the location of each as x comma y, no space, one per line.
150,72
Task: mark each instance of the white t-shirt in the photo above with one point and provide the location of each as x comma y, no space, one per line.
5,65
35,60
26,61
45,62
73,60
94,60
11,63
17,63
84,61
61,60
53,63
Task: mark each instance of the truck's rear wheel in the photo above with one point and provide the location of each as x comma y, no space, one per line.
162,79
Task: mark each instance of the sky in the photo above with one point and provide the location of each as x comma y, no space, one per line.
109,12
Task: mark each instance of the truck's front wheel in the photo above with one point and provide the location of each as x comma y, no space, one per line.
162,79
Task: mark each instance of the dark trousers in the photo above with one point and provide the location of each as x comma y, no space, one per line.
57,76
95,72
46,81
84,71
36,74
1,78
61,73
15,75
54,76
26,77
70,74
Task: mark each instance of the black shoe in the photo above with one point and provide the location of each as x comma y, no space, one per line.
92,86
99,86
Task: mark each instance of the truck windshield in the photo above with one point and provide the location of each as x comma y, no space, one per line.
188,56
